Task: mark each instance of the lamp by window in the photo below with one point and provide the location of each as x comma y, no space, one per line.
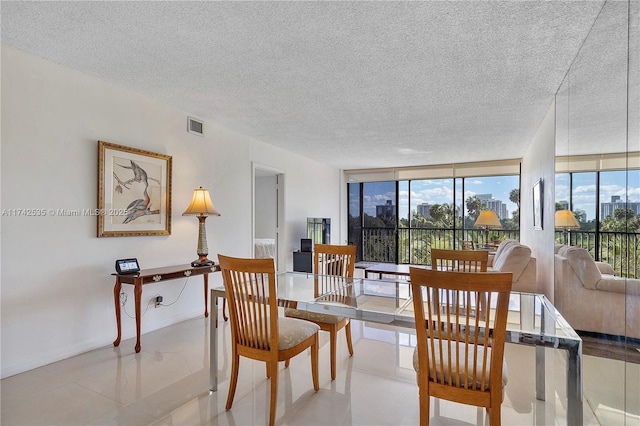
565,220
487,219
201,206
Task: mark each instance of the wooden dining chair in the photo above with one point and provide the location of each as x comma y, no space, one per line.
256,330
468,245
459,260
261,251
459,355
330,260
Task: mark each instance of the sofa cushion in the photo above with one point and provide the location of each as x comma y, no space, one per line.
622,285
503,246
584,266
605,268
514,258
562,251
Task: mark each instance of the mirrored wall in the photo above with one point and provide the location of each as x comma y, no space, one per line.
598,180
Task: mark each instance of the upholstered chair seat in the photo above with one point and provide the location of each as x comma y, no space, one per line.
292,332
313,316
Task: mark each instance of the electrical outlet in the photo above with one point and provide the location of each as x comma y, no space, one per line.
158,301
123,298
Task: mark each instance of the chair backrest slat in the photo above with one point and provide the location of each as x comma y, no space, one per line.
468,245
332,263
459,260
250,288
338,260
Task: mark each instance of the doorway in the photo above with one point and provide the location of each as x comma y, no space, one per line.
268,214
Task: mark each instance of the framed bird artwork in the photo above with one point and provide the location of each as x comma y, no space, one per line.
134,192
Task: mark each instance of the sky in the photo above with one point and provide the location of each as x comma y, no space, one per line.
440,191
437,191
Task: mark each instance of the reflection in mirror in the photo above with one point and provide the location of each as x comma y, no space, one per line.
632,308
596,285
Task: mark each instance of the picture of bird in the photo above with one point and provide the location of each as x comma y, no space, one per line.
141,206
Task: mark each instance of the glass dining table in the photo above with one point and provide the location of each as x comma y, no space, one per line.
532,320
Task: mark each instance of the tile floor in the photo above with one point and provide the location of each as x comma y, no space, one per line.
167,383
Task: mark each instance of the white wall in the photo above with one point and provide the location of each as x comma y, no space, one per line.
539,162
57,292
266,207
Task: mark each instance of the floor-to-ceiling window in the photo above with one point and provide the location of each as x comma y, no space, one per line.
398,221
431,218
606,204
379,217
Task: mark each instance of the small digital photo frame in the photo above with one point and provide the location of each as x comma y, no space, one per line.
127,266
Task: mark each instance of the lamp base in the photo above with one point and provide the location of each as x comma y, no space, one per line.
202,261
207,263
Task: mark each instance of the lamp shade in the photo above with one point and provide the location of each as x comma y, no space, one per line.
201,204
565,219
488,219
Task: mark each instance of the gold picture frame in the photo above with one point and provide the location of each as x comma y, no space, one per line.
134,192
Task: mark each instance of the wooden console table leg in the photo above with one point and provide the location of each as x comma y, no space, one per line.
224,309
206,295
116,298
137,291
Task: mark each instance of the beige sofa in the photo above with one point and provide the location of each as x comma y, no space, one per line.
511,256
591,298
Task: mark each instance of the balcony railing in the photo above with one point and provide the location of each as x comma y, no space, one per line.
413,245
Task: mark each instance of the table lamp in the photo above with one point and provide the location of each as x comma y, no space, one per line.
487,219
201,206
565,220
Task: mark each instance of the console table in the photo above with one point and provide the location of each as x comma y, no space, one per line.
150,276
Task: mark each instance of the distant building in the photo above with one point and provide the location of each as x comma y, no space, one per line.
387,209
423,210
496,205
582,214
564,204
607,209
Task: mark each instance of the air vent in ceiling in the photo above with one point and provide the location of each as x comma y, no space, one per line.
195,126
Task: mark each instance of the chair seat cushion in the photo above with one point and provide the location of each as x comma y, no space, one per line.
293,331
461,350
312,316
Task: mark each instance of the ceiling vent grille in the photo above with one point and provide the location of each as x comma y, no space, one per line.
195,126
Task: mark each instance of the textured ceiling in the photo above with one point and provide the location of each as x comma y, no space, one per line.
352,84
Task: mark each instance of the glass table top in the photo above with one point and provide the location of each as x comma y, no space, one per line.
531,316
